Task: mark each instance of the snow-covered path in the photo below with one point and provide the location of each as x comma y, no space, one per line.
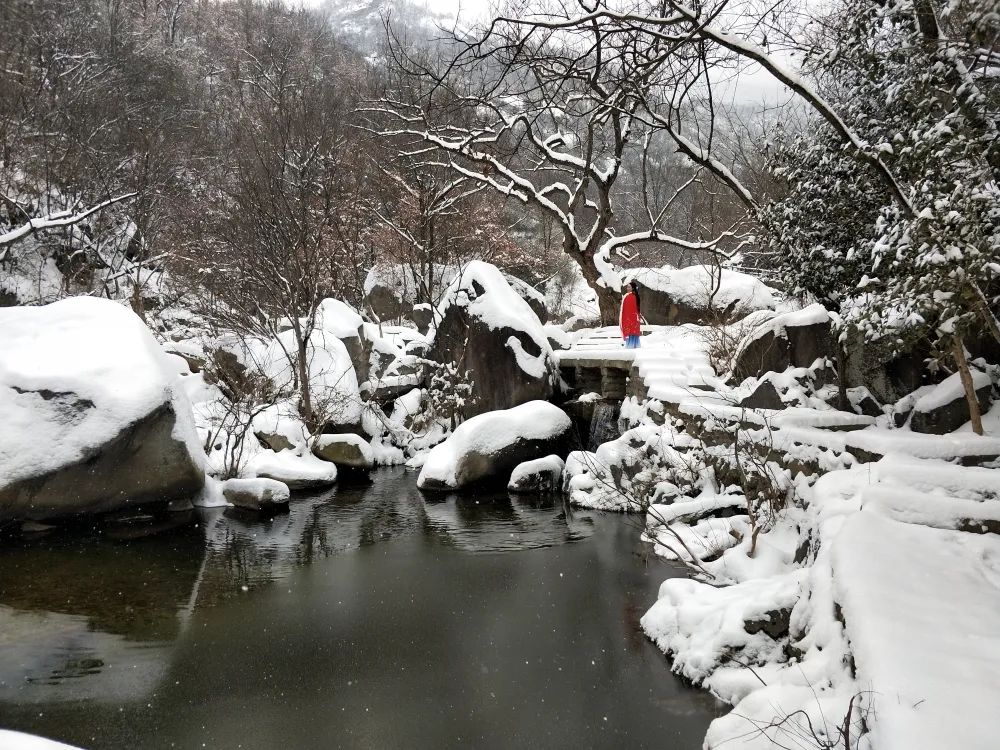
673,361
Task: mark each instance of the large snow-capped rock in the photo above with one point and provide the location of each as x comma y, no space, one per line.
338,319
486,328
491,445
537,475
348,451
944,407
791,339
698,294
94,414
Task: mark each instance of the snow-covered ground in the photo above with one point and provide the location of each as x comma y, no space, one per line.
855,607
20,741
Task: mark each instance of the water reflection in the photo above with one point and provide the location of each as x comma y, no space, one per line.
116,639
75,607
503,523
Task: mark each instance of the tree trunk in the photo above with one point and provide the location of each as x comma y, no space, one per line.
608,300
305,397
842,401
970,389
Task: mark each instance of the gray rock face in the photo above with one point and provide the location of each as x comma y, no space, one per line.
275,441
348,451
386,303
889,375
659,309
422,317
143,464
791,340
764,396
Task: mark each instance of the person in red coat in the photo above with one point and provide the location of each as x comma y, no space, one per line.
629,320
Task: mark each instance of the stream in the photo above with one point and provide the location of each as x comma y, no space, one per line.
370,616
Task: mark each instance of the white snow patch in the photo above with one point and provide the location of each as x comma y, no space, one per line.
19,741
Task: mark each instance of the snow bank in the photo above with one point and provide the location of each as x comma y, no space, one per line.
479,446
921,611
338,319
332,376
646,465
73,375
18,741
705,627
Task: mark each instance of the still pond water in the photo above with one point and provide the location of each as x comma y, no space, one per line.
370,616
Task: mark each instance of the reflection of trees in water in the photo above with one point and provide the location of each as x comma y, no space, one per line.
396,510
249,550
132,589
498,521
96,619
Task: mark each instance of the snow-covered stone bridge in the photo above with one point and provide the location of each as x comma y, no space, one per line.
671,359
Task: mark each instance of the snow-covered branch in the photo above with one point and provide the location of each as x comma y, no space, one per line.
55,220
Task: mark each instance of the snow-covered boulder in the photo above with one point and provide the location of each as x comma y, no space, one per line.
256,494
340,320
535,299
539,475
299,469
392,292
485,327
491,445
347,451
791,339
699,294
95,417
333,379
944,408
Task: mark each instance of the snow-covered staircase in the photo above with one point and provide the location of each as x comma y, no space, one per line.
670,363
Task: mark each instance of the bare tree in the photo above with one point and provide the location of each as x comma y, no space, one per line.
290,211
544,112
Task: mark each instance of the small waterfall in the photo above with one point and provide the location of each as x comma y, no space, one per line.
604,426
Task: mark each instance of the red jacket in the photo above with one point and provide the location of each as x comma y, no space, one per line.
629,320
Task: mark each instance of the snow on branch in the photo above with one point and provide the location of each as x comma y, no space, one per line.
54,220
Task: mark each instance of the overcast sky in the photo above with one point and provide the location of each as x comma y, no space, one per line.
754,86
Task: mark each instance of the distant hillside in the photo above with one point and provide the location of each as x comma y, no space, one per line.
362,22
